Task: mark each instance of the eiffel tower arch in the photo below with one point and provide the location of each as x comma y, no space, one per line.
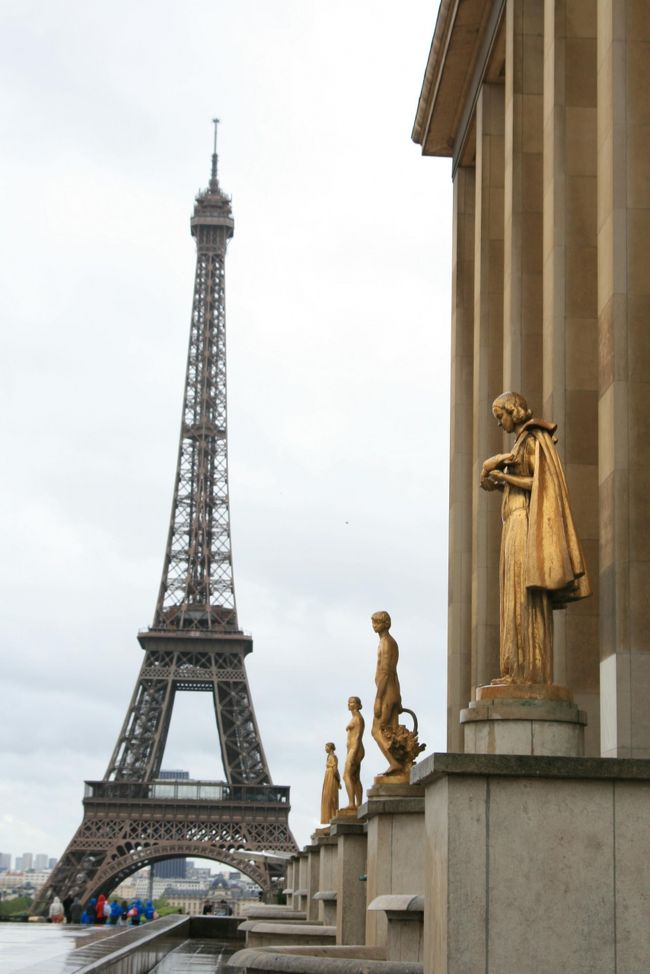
133,818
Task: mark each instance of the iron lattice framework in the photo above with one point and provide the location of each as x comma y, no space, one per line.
132,818
197,590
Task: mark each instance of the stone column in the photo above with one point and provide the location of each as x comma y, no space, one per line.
395,842
460,487
487,379
522,274
570,321
350,881
623,65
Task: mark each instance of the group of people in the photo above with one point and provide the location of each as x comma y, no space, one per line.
100,911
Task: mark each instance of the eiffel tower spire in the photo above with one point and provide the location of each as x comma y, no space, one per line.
214,181
197,590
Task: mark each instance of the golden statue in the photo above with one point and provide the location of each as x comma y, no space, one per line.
398,744
329,802
355,755
542,566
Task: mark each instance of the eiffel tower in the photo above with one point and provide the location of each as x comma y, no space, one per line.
132,818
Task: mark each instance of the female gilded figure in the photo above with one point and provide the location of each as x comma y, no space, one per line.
541,565
355,755
329,803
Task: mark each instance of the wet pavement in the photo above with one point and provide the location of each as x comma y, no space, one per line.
25,944
195,957
44,948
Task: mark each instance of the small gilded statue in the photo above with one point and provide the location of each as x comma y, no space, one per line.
542,566
397,743
329,803
355,755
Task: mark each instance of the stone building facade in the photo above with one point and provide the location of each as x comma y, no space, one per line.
542,107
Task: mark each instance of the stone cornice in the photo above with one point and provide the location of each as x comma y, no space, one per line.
462,41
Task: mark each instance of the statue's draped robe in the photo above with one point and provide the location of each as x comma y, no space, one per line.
542,566
329,804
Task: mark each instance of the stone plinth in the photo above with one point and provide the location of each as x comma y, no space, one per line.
325,897
272,912
288,889
524,726
352,842
293,882
313,871
395,836
318,960
300,883
267,934
536,865
405,915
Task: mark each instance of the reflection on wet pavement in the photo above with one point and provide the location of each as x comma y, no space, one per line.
195,957
24,944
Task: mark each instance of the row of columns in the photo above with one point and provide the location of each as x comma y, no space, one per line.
551,295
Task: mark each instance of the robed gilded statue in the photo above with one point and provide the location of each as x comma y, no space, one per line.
329,802
541,566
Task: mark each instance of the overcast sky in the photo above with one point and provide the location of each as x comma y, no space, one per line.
338,298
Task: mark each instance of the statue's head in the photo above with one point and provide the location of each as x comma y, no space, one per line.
354,703
514,404
380,621
330,746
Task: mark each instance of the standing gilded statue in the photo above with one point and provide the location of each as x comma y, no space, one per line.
399,745
329,802
541,565
356,752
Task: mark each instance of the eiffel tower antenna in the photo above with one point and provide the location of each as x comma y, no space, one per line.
132,818
215,158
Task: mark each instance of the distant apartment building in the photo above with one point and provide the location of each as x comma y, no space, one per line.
20,879
41,861
170,869
186,901
200,874
5,861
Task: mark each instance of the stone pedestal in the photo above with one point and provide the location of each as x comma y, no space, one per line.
404,913
288,881
352,842
524,726
312,874
325,897
395,863
300,883
536,865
